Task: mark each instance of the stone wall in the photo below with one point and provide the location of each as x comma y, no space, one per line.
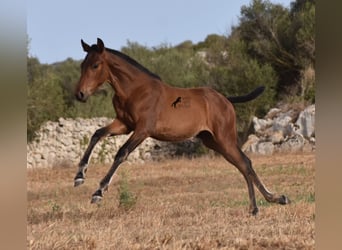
64,142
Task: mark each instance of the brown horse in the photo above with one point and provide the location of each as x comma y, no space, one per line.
148,107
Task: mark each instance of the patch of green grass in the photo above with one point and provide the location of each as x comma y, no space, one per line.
307,198
127,199
263,203
55,207
284,169
311,198
239,203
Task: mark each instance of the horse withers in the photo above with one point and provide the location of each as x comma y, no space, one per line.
148,107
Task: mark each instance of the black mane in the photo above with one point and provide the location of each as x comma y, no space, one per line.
133,62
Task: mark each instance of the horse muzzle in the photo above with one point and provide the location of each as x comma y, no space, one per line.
80,96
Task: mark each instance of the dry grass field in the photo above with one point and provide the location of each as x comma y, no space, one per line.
174,204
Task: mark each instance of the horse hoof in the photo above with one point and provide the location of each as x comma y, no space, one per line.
78,181
255,211
97,196
284,200
96,199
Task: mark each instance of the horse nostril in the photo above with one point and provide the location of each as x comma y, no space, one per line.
80,96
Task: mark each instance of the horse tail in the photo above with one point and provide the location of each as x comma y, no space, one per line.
246,98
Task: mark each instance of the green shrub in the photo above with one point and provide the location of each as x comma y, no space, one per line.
127,198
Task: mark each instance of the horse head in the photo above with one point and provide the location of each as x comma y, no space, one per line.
94,71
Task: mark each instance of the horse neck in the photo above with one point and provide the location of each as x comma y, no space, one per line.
123,76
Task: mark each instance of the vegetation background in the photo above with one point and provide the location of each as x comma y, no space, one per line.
272,46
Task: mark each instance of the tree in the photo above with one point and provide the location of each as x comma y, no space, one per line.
281,37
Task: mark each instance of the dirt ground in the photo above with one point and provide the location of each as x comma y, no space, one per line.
197,203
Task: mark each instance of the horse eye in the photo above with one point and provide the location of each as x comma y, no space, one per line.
95,66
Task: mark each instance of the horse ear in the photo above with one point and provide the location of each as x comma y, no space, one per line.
100,45
85,46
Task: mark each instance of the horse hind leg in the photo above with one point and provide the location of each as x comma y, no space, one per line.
270,197
234,158
244,165
234,155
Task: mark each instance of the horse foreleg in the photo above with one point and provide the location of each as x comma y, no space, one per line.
135,140
115,128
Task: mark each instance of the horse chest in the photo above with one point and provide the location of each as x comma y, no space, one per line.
123,112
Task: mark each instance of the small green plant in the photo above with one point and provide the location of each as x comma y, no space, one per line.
127,198
311,198
263,203
54,206
200,149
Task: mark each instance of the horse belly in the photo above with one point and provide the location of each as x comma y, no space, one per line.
178,127
181,115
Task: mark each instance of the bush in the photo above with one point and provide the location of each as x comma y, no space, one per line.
126,197
45,97
238,74
50,95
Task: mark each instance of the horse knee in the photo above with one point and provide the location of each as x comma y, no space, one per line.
99,134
